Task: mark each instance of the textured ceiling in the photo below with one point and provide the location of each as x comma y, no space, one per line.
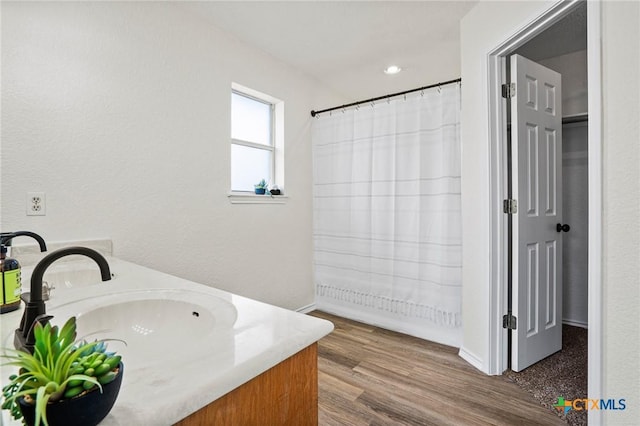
347,44
566,36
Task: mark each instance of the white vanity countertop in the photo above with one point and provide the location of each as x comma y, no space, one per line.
261,337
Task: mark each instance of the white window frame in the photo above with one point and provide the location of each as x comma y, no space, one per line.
271,147
276,147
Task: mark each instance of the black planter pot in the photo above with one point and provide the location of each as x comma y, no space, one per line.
86,410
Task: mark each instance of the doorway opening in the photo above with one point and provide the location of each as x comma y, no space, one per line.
566,39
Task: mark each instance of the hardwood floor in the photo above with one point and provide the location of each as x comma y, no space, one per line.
371,376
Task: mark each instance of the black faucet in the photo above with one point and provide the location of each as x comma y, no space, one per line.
35,310
6,237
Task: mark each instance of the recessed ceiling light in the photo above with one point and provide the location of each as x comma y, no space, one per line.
393,69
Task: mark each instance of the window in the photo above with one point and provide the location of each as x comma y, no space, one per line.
255,150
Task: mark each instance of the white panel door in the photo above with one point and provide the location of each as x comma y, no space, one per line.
536,138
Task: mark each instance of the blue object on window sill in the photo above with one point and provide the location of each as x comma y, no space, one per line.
260,191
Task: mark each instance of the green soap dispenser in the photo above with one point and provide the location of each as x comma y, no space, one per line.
11,282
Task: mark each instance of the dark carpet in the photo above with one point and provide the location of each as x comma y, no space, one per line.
563,374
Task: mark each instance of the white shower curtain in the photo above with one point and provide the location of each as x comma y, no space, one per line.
387,237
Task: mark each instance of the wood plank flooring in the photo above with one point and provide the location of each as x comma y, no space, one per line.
371,376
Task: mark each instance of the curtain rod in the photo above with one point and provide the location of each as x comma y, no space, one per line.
314,113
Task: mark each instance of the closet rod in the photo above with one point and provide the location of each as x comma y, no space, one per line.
577,118
392,95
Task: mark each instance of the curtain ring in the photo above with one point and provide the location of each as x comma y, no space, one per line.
357,107
439,88
405,96
373,104
422,93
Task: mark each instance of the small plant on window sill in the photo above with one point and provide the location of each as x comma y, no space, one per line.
261,187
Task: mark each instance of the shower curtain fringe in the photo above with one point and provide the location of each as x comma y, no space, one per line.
397,307
392,95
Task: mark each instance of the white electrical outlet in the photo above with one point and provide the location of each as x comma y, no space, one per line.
36,205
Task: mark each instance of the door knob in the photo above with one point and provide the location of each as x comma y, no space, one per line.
562,228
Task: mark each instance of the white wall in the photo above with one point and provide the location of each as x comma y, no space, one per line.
621,200
575,212
573,67
119,112
482,29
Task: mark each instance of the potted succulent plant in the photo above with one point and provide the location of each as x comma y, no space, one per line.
64,382
261,187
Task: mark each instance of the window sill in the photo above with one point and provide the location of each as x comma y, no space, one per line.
247,198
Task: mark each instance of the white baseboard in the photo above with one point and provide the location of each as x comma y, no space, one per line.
471,359
443,335
307,309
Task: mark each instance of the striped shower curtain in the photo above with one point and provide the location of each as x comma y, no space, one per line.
387,237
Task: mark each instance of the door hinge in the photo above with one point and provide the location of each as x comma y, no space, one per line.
510,206
509,322
508,90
